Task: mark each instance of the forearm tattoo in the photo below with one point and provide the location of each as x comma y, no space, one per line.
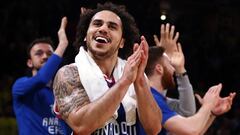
68,90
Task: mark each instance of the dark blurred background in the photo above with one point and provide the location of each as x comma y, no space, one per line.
209,34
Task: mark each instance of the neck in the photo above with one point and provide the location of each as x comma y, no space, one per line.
156,83
34,72
107,65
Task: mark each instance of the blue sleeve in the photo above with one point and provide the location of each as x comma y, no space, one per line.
166,111
26,85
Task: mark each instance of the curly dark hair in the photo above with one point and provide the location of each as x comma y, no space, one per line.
130,29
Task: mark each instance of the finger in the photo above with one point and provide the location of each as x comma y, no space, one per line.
232,95
179,47
135,53
137,50
134,62
83,10
215,89
172,31
145,43
176,37
162,31
135,47
157,42
135,57
167,30
229,99
219,88
145,46
199,98
63,23
137,61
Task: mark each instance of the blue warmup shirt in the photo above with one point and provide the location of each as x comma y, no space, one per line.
166,111
119,126
33,101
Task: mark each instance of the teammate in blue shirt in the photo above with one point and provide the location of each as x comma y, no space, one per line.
33,95
160,73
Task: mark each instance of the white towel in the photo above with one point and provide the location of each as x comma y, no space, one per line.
95,85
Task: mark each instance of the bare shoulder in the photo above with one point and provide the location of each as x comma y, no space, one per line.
68,90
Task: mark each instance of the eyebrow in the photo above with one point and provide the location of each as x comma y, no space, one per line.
40,50
109,22
113,23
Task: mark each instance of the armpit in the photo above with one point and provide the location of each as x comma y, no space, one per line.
68,90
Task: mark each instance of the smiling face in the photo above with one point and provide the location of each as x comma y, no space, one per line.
104,35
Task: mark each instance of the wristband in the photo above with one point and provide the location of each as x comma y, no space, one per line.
180,74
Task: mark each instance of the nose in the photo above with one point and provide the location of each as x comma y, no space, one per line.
45,56
103,29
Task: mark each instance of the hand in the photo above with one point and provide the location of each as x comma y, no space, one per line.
177,60
223,105
84,10
144,56
167,40
63,41
62,33
212,95
132,64
172,48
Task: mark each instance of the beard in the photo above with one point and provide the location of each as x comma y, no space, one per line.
168,81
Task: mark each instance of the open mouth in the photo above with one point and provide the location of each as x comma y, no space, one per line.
102,39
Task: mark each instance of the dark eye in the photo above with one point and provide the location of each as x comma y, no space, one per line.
114,27
97,23
39,53
49,53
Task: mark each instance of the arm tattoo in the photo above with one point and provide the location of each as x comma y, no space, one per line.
68,90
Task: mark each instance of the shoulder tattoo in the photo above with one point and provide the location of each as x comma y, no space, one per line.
68,90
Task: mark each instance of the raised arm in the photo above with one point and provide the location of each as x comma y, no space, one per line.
169,42
47,72
149,113
83,116
185,105
63,41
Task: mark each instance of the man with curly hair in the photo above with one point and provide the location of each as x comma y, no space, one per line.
102,93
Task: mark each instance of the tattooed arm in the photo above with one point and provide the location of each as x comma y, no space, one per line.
68,91
73,103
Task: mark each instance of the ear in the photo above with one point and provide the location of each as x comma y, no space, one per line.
159,69
85,39
122,43
29,63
